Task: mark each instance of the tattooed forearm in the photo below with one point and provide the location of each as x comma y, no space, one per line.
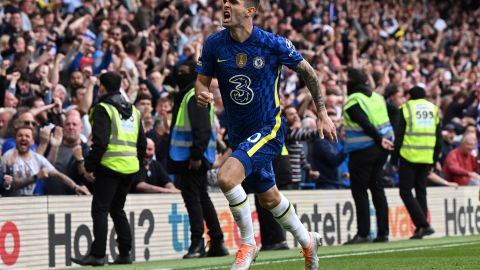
313,84
22,182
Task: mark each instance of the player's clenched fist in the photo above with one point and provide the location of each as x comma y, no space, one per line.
204,98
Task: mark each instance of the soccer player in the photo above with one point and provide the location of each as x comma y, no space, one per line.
247,62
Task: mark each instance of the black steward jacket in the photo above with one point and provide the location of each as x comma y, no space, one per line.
101,130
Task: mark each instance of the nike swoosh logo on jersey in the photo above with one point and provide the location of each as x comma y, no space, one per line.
221,60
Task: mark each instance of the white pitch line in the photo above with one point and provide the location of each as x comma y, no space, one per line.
397,250
355,254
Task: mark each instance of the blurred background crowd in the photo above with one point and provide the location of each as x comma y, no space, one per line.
52,51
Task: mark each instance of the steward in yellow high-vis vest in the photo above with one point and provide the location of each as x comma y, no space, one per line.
417,146
368,136
182,138
421,118
124,126
192,152
119,145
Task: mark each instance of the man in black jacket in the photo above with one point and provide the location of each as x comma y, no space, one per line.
191,155
418,142
119,145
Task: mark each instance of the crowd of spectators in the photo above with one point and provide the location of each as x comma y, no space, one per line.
51,52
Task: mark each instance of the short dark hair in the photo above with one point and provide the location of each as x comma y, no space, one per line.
46,12
111,81
14,39
20,55
390,91
16,11
284,111
417,92
252,3
30,101
357,76
75,90
25,127
142,96
132,48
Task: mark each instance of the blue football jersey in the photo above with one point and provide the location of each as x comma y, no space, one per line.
248,75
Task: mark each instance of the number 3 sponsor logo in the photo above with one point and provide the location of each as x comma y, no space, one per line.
242,94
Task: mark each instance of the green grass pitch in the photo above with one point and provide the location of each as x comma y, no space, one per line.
440,253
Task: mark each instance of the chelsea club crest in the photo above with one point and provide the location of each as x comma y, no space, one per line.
258,62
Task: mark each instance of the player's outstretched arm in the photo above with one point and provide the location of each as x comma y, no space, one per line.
324,123
202,92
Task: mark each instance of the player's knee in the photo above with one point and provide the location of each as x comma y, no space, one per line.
231,174
270,202
224,180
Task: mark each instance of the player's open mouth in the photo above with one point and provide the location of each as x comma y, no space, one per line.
226,16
